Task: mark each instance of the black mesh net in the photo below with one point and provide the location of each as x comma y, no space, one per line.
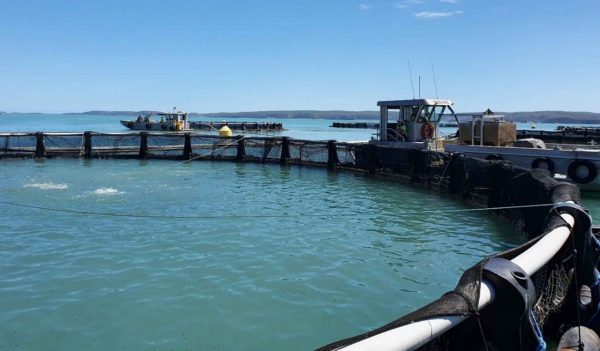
346,154
263,149
63,144
17,145
165,145
308,153
115,145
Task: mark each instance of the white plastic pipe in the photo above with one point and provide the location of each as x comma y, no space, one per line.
411,336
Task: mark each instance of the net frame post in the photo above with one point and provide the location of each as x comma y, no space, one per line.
187,146
87,145
332,156
40,148
241,148
143,153
285,151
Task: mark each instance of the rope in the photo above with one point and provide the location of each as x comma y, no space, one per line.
580,345
542,346
481,331
133,215
447,165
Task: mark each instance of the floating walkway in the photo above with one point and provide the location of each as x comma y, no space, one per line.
355,125
366,125
249,126
581,136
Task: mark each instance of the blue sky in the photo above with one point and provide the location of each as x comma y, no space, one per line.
222,55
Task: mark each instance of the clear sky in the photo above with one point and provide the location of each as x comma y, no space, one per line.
249,55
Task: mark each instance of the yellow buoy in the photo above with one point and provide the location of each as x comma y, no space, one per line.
225,132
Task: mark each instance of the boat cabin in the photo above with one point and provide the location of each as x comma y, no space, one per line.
177,119
417,119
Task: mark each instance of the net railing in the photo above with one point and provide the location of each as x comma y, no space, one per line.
114,145
17,145
208,147
176,146
62,144
165,145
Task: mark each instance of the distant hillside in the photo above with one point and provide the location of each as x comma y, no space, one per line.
111,113
535,116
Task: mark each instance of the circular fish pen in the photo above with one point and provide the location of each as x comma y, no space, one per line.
218,255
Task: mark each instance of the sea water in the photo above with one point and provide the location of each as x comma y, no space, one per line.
128,254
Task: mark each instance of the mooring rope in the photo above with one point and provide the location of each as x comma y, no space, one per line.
135,215
215,150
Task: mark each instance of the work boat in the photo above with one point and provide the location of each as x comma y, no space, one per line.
168,121
416,126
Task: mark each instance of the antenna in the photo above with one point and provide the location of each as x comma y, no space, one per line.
434,82
412,85
419,87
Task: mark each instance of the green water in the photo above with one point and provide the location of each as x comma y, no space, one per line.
278,258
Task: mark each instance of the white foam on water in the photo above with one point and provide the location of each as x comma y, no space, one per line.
47,186
107,192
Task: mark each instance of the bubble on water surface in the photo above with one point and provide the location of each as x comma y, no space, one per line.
107,191
47,186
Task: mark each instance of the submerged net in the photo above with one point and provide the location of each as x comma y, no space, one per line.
551,283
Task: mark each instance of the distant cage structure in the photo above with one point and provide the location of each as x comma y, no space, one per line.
185,146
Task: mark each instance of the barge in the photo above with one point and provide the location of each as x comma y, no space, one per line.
486,136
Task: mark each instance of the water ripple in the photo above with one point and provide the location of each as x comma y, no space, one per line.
292,282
